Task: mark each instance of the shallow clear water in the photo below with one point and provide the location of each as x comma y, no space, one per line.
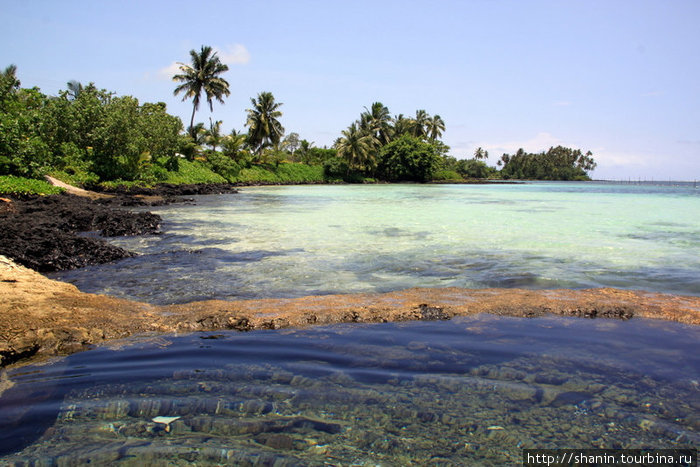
302,240
470,391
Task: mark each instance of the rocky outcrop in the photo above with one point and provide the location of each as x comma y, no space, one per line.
42,232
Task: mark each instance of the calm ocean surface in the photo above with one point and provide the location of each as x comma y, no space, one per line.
302,240
474,390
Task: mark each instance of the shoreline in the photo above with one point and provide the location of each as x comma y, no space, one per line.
41,317
60,232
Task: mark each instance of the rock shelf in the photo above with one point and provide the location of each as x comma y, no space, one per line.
41,317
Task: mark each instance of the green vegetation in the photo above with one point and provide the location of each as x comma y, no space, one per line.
447,175
558,163
408,158
87,133
12,185
290,172
88,137
192,172
264,128
392,149
203,75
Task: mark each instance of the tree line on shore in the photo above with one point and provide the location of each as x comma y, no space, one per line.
88,135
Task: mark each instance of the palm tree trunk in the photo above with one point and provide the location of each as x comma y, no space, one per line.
194,109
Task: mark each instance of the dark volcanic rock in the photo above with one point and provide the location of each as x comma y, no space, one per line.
40,232
169,190
118,223
47,249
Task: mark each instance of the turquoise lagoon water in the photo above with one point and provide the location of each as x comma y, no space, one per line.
302,240
471,391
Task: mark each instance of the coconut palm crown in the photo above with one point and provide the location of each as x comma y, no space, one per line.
202,76
435,127
264,128
420,123
357,148
377,120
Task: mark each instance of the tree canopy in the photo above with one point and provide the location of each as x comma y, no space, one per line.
90,131
264,127
557,163
94,135
203,75
408,159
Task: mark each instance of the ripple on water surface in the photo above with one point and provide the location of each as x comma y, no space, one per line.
473,390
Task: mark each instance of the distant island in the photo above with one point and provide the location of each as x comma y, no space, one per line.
92,138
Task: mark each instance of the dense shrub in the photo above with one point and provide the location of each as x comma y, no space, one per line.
91,132
299,173
191,172
445,174
256,174
472,168
13,185
23,151
288,172
317,156
222,165
408,159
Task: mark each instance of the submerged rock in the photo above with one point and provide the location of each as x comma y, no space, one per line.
570,398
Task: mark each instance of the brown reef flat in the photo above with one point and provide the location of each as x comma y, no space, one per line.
42,317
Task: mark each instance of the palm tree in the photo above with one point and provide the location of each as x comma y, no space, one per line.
357,148
75,88
377,120
203,75
10,74
505,159
402,125
435,127
481,154
420,123
233,144
198,134
213,135
8,82
263,127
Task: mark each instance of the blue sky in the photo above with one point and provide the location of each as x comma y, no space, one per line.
619,78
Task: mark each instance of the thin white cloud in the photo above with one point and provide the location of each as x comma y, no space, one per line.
562,104
653,94
169,71
622,159
235,54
